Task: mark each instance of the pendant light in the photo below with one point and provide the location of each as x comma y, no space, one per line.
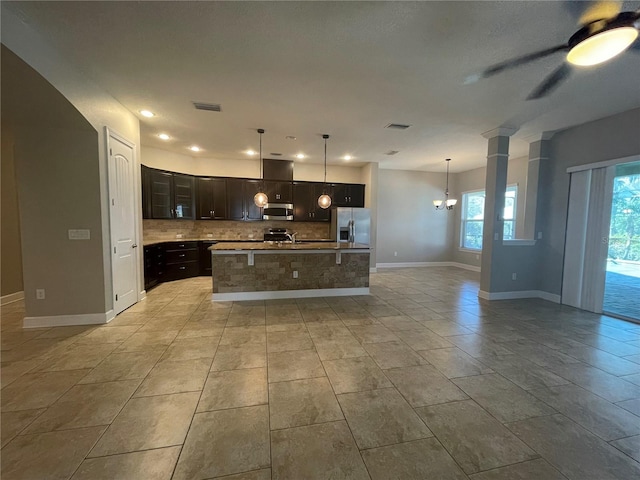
448,203
324,200
260,198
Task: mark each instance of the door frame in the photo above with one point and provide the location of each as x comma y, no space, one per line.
600,287
109,133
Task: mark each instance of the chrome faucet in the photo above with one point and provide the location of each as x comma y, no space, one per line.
291,236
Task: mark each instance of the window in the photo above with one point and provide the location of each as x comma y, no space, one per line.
473,217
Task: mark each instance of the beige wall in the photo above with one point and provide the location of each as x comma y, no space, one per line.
475,180
42,110
250,168
11,251
408,223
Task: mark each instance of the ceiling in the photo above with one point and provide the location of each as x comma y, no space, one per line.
344,68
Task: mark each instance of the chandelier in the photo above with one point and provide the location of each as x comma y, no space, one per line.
447,203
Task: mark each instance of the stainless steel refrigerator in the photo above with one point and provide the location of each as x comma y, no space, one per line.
351,225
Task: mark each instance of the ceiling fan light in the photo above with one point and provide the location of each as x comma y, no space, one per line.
451,202
602,46
437,203
324,201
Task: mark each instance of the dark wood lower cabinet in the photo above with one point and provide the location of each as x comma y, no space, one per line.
168,261
153,265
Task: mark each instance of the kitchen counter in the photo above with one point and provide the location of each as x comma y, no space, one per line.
265,270
147,243
282,246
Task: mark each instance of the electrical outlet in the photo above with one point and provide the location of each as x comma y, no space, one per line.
539,235
496,236
209,235
395,254
514,276
179,235
295,274
477,257
39,293
251,235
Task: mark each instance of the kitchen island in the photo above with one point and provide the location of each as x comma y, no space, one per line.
259,271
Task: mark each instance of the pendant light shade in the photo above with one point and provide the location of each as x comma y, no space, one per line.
260,198
447,203
324,200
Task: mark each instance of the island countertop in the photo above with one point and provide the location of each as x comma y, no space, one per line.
235,246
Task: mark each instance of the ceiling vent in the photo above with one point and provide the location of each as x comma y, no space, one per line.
276,154
391,152
210,107
397,126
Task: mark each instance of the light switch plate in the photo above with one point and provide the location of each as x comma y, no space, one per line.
80,234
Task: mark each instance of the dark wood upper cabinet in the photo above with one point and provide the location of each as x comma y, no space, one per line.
167,195
347,195
240,193
305,202
278,170
184,196
161,194
211,200
279,192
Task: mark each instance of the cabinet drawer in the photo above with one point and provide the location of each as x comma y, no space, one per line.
181,256
182,270
180,246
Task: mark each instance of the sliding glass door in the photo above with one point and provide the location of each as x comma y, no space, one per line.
622,284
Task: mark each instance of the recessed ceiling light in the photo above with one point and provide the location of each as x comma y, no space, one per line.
194,148
347,157
300,156
147,113
163,136
251,152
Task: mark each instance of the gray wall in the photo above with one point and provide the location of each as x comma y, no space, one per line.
407,222
58,180
475,180
11,254
99,110
609,138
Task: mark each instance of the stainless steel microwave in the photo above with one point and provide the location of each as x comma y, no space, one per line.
278,211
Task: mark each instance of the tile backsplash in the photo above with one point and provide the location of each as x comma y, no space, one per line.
165,230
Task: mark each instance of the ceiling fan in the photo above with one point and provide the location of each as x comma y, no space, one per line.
605,33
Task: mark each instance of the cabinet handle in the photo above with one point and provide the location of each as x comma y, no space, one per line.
181,245
182,255
182,268
172,213
213,213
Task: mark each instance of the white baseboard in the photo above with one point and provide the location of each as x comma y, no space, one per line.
12,297
276,294
68,320
413,264
519,294
428,264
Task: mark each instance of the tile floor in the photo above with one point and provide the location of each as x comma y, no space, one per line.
418,380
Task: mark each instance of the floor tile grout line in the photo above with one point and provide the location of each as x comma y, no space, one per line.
186,435
344,417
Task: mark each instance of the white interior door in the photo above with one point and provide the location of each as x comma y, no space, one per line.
124,249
